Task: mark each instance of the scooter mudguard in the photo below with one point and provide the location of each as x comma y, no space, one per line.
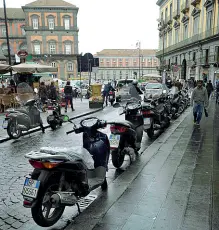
98,148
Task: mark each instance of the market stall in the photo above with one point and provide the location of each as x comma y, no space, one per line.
96,100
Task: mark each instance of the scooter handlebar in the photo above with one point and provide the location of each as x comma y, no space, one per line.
69,132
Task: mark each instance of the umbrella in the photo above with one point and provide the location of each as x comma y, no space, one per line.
4,68
33,68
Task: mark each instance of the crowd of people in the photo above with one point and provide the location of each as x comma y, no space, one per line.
51,92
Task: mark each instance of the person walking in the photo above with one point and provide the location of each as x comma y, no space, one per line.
209,88
43,95
52,92
68,91
200,101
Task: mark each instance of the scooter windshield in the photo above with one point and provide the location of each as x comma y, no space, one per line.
24,93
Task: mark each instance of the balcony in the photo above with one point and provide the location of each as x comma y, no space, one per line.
214,32
185,6
169,19
195,2
176,14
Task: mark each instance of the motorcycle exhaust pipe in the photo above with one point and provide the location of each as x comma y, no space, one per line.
63,199
22,127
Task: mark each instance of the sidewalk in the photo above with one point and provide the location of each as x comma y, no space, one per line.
79,106
173,186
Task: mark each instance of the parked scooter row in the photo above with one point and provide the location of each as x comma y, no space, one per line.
159,112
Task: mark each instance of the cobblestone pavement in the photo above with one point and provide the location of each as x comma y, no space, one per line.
80,107
174,187
14,168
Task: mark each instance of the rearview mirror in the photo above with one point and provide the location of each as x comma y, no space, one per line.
116,105
65,118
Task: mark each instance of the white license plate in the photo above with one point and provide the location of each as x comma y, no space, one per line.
5,124
114,141
147,121
50,112
31,188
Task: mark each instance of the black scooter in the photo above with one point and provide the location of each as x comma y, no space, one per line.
55,117
125,138
62,176
156,115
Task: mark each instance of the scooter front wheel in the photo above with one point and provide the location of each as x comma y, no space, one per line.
12,130
117,158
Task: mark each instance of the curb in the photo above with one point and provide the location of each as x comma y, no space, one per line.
95,211
48,126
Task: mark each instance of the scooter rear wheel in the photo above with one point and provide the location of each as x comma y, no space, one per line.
41,212
150,132
117,158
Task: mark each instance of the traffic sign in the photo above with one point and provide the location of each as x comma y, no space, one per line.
22,53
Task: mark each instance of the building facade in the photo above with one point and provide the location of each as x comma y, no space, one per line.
48,30
126,63
189,33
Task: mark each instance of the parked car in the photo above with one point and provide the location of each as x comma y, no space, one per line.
155,88
122,89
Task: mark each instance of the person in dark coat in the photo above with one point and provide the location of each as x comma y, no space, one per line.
43,94
68,91
209,88
52,92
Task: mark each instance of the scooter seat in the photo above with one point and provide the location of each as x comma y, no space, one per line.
66,154
124,123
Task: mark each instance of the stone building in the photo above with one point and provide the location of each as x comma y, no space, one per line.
48,30
125,63
189,33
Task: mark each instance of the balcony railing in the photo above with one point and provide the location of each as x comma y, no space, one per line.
169,19
198,37
176,14
195,2
185,6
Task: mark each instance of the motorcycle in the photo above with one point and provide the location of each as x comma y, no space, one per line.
156,115
62,176
126,136
111,97
55,117
25,118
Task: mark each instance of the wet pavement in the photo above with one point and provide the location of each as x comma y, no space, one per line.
173,185
80,107
14,168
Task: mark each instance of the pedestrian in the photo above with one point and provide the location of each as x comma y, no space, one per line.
107,88
43,95
52,92
135,91
209,88
200,99
68,91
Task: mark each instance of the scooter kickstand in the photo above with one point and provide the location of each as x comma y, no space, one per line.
79,210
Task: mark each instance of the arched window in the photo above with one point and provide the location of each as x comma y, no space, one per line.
35,21
70,66
52,47
23,46
51,22
67,22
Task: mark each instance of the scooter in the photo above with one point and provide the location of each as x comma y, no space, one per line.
111,97
23,119
54,118
126,136
62,176
156,115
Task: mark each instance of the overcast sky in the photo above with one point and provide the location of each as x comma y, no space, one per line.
113,24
